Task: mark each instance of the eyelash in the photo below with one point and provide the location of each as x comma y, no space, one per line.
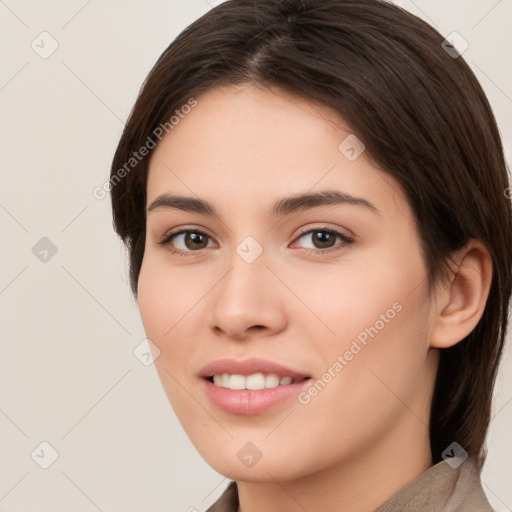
344,238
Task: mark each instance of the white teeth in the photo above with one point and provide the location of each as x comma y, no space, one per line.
253,382
272,380
236,382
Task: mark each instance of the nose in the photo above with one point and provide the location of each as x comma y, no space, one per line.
248,301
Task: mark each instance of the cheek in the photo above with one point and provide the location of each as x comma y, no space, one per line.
360,293
166,298
166,309
153,299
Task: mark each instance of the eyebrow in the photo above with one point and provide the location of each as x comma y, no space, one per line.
281,208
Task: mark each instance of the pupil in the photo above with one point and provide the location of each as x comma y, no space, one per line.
323,237
196,238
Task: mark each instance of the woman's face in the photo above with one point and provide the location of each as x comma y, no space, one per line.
332,288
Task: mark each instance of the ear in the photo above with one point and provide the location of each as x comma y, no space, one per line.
460,302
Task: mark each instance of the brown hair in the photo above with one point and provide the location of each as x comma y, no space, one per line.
422,116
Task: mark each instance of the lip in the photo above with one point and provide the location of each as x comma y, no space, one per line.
248,367
244,401
249,402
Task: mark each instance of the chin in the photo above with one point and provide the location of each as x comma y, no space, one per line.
256,462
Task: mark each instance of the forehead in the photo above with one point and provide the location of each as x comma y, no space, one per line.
252,145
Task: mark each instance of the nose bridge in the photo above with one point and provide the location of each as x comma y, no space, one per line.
250,250
248,272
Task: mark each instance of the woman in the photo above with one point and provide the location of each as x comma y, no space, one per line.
313,195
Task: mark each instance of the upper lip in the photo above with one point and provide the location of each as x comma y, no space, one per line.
248,367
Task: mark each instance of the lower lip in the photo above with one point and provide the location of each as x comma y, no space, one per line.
248,402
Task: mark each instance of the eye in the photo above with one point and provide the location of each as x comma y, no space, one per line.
325,238
186,242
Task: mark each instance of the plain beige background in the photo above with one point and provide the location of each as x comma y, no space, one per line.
69,377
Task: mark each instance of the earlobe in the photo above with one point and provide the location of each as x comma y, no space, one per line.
461,301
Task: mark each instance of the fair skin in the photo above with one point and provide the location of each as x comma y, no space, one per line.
365,434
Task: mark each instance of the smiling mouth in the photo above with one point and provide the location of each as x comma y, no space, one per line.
254,382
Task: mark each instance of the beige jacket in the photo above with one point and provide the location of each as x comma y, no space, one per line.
439,489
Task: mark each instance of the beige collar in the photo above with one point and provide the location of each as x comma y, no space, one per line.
440,488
